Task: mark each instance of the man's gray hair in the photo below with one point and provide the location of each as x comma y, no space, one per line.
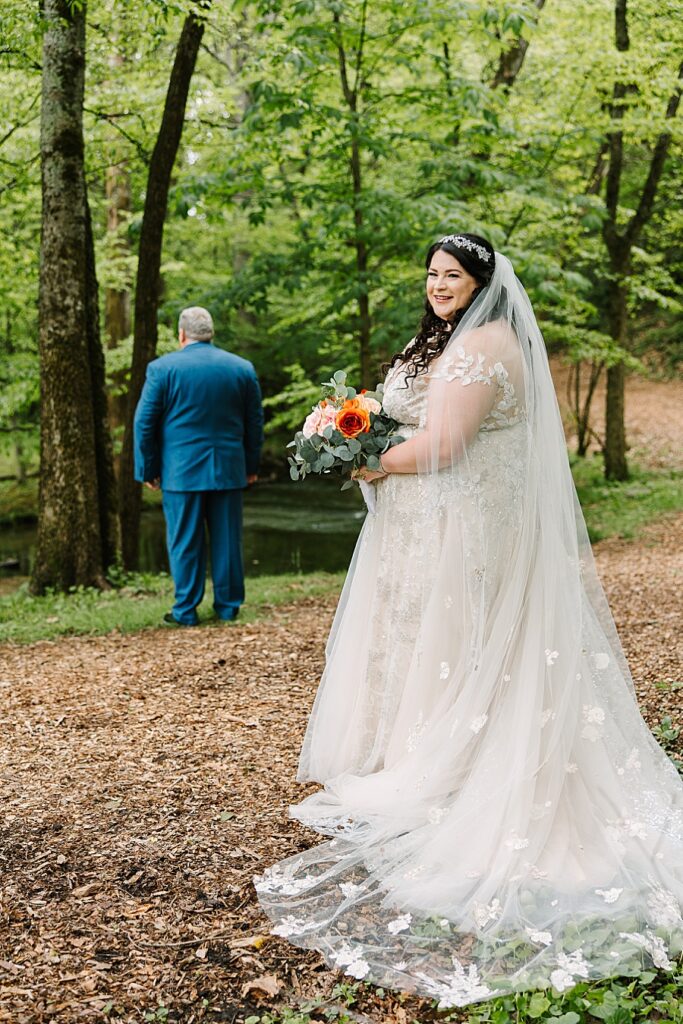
197,323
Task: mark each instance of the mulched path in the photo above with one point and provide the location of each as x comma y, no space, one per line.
144,779
654,417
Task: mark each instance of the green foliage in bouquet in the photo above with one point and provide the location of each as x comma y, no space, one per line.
334,450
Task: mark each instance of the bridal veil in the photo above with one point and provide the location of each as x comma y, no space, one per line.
498,815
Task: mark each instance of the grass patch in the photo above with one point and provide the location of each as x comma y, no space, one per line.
622,508
140,603
652,995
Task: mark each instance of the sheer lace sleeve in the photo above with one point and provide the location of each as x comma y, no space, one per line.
471,387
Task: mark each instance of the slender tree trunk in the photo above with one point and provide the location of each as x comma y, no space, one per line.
104,452
581,444
616,465
148,283
619,241
350,92
15,424
615,447
117,304
596,369
364,322
581,404
117,300
18,446
69,549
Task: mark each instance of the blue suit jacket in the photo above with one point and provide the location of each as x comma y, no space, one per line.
199,421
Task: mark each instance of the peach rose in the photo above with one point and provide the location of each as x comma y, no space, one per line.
323,415
371,404
353,418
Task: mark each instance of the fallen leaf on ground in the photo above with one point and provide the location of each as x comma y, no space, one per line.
267,985
86,890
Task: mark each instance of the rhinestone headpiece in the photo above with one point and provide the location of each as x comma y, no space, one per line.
467,243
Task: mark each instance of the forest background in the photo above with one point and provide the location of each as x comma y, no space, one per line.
324,145
286,163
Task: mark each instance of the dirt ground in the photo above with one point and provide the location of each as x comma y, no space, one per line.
654,417
145,779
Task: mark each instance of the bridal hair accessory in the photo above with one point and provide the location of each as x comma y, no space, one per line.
466,243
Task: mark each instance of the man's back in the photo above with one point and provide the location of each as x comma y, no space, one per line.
200,419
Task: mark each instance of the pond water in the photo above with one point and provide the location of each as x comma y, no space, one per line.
288,527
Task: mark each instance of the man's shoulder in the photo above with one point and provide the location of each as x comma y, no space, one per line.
162,363
201,353
232,360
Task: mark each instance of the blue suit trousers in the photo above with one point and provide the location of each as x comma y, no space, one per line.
188,514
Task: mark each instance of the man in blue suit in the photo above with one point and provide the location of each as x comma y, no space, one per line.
198,436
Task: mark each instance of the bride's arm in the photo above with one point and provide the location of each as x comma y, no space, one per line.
456,409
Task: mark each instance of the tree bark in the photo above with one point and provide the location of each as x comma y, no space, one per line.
361,249
511,60
104,451
615,447
619,243
148,283
69,549
117,304
580,404
15,426
117,300
350,93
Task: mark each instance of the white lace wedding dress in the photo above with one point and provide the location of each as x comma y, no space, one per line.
500,816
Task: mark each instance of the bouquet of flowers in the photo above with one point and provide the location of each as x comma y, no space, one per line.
344,431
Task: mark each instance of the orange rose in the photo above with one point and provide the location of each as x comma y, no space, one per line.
353,419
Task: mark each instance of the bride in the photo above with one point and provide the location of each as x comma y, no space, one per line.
498,815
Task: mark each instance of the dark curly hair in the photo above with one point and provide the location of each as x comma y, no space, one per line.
433,333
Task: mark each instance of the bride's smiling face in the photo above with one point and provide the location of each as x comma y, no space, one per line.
449,286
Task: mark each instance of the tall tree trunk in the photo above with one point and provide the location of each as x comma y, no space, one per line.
361,249
18,446
104,452
580,404
15,424
148,284
69,549
619,241
350,92
117,301
615,447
